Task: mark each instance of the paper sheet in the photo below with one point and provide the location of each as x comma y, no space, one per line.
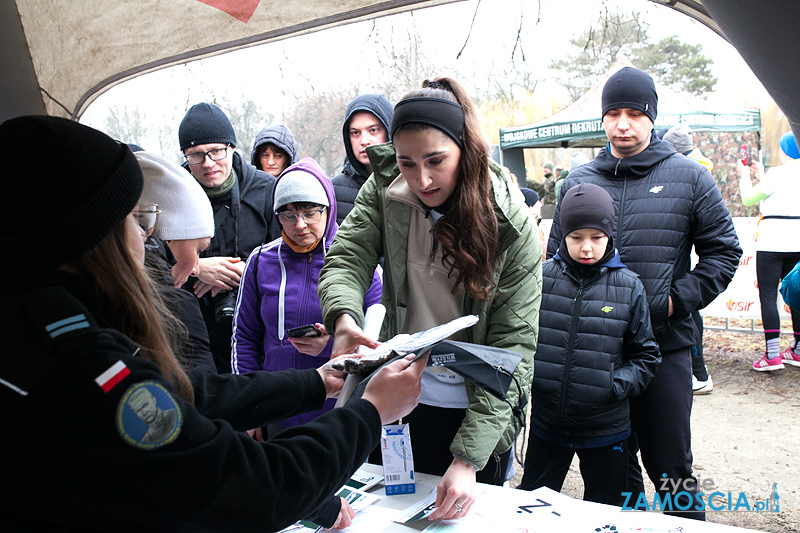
403,344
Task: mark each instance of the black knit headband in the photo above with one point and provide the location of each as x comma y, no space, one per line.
440,113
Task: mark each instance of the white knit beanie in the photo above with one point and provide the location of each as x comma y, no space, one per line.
185,210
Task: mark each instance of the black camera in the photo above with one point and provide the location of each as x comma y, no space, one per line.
224,307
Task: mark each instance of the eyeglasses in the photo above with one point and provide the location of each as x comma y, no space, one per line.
146,216
309,217
215,155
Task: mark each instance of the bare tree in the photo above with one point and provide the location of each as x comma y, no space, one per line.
402,64
316,121
247,118
126,124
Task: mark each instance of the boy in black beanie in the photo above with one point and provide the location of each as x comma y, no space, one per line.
596,348
667,207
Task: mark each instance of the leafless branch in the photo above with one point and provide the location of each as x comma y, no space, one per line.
474,15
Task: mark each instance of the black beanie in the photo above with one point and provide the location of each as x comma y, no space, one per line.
632,88
531,196
63,205
587,206
205,124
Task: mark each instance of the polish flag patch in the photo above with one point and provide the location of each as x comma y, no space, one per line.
109,379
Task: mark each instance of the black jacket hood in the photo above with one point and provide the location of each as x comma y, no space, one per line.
637,166
379,106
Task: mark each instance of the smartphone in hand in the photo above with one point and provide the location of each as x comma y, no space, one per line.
744,155
309,330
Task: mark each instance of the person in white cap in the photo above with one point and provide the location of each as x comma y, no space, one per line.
185,221
181,226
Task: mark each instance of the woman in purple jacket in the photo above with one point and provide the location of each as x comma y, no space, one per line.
279,284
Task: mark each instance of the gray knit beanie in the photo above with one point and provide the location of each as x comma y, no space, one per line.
185,209
59,214
680,137
205,124
299,186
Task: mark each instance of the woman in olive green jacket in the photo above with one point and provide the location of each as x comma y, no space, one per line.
457,239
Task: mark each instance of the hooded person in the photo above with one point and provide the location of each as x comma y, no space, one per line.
367,122
274,149
279,284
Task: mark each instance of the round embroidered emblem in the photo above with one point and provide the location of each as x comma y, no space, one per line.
148,417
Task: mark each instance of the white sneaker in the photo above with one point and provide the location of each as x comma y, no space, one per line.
702,387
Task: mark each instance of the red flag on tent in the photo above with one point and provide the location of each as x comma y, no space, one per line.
239,9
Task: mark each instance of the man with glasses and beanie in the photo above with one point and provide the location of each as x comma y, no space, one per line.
665,203
241,199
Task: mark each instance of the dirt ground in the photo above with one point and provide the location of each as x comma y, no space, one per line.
744,434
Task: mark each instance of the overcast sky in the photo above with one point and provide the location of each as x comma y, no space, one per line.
344,56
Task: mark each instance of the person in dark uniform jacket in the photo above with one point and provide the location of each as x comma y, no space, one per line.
85,334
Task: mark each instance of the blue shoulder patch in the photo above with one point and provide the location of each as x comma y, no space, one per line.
148,416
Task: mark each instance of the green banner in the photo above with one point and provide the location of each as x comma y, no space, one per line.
583,131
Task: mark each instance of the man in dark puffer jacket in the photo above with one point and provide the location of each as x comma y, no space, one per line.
366,122
596,348
665,204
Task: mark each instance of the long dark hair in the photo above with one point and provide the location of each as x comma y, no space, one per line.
132,305
468,231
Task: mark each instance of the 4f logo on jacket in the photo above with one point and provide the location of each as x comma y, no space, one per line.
657,189
607,309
